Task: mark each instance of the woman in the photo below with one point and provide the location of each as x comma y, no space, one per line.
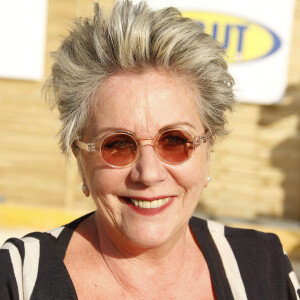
142,97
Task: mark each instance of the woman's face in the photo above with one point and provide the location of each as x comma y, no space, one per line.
144,104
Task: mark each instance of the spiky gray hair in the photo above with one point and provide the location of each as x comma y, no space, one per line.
135,38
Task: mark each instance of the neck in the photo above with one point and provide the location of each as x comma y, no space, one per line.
139,268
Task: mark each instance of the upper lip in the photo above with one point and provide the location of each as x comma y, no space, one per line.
148,198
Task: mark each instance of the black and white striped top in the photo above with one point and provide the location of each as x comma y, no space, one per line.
243,264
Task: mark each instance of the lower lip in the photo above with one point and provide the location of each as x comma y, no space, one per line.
150,211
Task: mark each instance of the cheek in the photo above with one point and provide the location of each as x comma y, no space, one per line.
105,185
191,180
100,179
192,177
197,168
105,182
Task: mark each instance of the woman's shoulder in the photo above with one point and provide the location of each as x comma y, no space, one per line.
255,259
27,263
235,233
20,260
58,237
243,242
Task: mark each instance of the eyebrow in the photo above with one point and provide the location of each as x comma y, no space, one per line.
178,124
108,129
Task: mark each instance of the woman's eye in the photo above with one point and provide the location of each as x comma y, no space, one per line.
173,139
119,143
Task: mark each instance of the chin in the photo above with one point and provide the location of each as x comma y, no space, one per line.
148,242
151,236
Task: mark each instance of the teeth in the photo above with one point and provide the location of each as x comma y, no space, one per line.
150,204
146,204
153,204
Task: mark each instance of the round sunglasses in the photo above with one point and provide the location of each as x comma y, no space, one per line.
121,149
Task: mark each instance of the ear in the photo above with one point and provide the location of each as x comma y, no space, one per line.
75,150
85,190
207,179
85,187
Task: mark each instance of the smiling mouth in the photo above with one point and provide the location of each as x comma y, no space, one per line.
149,204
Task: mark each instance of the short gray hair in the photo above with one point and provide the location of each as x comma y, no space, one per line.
135,38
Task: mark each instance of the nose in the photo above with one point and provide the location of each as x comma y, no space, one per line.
148,169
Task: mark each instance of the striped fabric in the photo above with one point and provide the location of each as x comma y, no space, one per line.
16,261
230,265
243,264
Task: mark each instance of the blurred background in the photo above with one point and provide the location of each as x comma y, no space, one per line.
255,170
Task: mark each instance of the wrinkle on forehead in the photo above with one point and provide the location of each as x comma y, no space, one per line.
139,94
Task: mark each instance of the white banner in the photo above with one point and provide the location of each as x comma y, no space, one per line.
256,36
22,36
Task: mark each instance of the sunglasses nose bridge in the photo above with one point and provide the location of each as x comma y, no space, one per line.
146,141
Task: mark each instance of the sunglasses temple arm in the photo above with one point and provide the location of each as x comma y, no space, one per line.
84,146
200,140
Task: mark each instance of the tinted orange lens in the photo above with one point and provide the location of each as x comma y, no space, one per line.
175,146
119,149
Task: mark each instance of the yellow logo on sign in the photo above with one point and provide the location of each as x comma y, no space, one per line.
242,39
